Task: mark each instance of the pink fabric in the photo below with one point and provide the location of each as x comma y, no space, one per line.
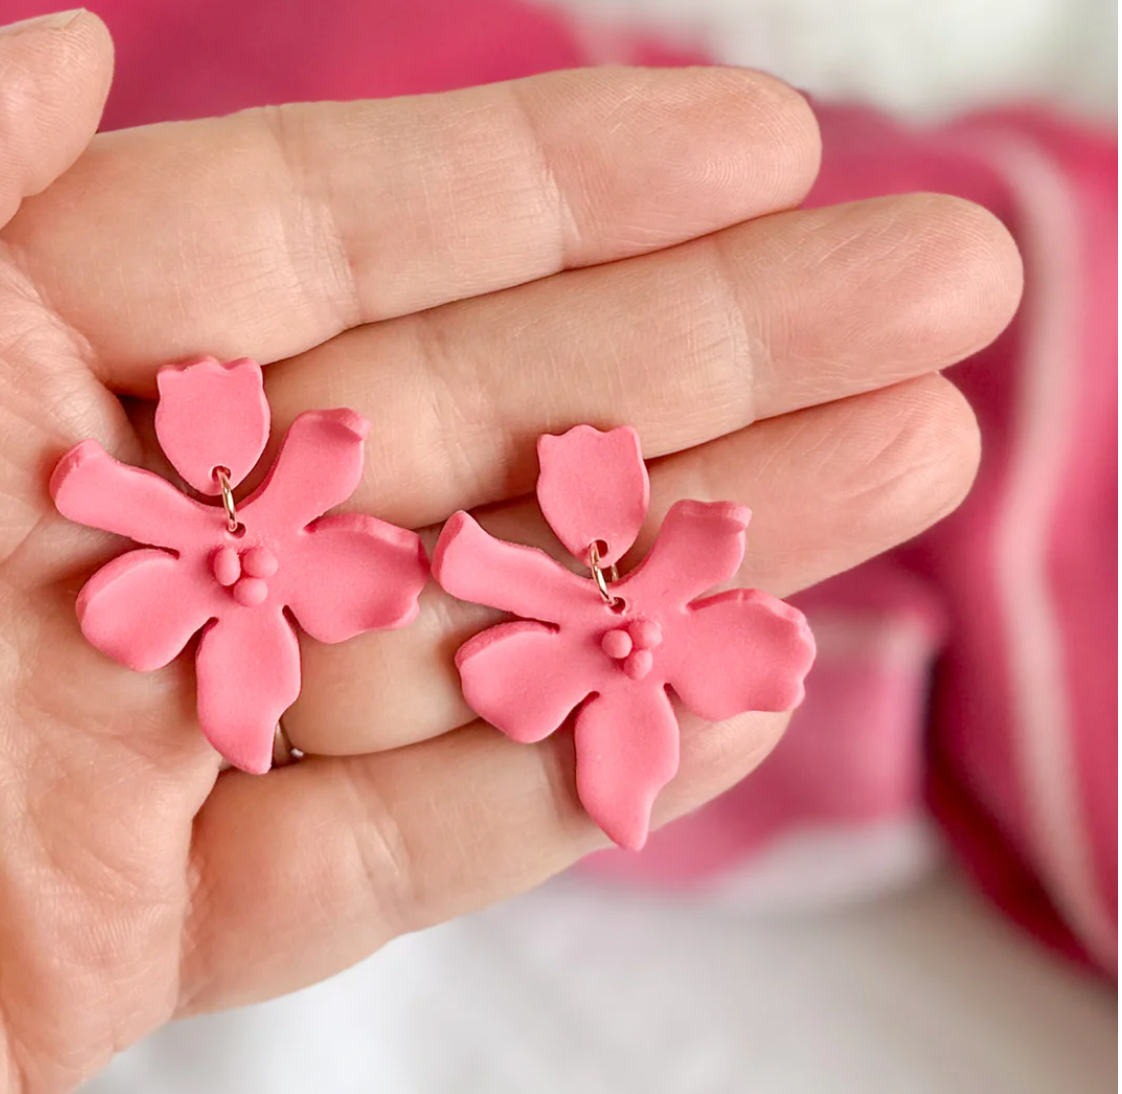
1021,725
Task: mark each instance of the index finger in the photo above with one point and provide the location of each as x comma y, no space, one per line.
268,232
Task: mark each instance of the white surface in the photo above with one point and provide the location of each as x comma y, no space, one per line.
830,866
922,58
582,991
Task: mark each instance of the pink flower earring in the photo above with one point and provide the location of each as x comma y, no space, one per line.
235,570
611,648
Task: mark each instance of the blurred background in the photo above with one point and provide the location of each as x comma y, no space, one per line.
917,894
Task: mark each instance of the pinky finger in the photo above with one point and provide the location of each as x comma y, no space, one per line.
336,856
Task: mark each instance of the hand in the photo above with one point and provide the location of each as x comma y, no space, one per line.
468,271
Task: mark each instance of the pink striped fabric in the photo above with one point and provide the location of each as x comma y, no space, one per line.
973,669
1012,707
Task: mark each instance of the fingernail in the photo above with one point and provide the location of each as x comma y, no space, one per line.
55,20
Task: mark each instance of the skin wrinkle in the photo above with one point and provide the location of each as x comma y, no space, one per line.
369,862
554,768
568,231
19,97
43,414
372,857
387,862
457,226
947,264
455,427
910,456
745,350
80,939
323,228
192,926
57,80
107,889
12,1053
726,750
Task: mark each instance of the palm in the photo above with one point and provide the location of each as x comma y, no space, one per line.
359,248
96,811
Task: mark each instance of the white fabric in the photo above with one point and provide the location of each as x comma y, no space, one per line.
822,867
922,58
578,990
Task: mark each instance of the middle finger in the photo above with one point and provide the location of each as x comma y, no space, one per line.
686,345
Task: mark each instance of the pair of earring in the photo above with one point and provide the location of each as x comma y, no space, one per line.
606,647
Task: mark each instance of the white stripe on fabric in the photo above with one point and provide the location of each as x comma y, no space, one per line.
1043,421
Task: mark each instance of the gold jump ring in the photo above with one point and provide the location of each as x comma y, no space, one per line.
599,577
222,474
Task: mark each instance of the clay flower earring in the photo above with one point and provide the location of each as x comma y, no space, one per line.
234,570
613,649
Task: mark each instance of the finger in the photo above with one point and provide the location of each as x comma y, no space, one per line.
828,487
685,345
270,231
333,858
54,76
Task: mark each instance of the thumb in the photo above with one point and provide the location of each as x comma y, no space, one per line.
54,76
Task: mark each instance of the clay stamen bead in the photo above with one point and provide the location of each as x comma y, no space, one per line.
259,562
250,591
226,566
639,664
646,634
616,644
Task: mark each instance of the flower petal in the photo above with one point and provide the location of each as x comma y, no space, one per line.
700,544
523,678
627,750
593,486
738,651
248,668
472,565
319,465
91,488
142,608
212,415
352,573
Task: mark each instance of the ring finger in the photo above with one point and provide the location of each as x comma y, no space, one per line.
829,486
